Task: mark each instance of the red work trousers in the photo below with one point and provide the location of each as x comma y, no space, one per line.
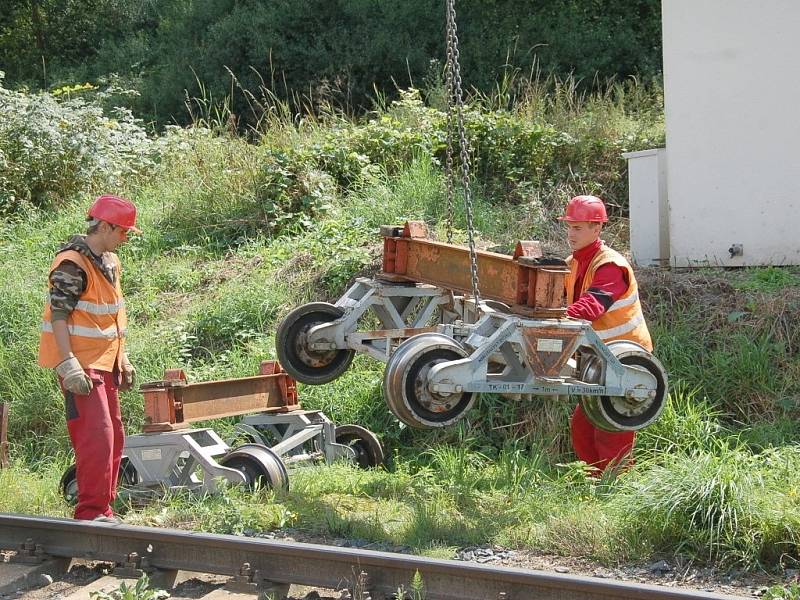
596,447
95,428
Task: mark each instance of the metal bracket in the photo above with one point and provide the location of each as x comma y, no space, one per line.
243,582
30,553
133,567
251,581
174,403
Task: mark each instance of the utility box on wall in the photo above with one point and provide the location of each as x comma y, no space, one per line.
733,131
649,213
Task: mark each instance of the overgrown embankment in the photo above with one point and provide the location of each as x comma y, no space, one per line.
237,233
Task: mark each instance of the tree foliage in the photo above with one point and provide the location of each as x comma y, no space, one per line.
339,50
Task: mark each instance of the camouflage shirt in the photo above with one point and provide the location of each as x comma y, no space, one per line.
68,280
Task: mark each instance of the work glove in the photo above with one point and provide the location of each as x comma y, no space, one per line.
74,378
128,374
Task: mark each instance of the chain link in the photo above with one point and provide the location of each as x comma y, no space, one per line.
450,126
455,97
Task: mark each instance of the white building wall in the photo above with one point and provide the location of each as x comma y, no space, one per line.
732,101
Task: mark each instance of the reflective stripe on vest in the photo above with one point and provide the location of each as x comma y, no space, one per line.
622,302
100,309
109,333
605,334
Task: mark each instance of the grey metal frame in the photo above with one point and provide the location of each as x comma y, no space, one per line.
398,308
497,337
488,332
187,459
304,436
170,460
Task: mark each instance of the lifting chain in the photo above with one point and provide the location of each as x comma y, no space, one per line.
455,101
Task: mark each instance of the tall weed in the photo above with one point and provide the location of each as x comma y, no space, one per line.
727,506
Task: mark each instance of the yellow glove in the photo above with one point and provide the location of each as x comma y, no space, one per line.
74,377
128,374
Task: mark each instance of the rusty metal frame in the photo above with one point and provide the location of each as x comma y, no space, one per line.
524,282
173,403
3,435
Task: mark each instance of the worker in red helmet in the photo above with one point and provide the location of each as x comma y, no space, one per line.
601,288
83,339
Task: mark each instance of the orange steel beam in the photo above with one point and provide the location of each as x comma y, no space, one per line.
3,435
173,403
525,282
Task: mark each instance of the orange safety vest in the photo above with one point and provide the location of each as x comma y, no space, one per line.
98,324
624,319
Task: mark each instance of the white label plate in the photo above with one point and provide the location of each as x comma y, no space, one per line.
152,454
549,345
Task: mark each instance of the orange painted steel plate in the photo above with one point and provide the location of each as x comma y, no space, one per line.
173,403
448,266
519,281
229,397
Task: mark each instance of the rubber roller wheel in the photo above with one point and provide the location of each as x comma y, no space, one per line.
260,466
306,365
618,413
406,386
368,449
128,477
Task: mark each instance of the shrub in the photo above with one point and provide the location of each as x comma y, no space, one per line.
51,150
290,191
522,155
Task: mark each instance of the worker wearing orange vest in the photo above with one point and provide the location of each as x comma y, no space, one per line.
83,339
601,288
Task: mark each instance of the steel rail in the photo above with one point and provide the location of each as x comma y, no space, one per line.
315,565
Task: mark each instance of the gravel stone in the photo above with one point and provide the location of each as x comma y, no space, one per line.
42,580
659,567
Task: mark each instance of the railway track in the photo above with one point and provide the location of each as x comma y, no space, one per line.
255,564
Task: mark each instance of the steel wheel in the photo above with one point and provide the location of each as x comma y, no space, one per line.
260,465
405,382
368,449
618,413
69,480
291,344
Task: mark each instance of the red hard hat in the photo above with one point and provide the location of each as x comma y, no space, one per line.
115,210
585,208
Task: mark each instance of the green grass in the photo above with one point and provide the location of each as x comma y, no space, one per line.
781,592
236,235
